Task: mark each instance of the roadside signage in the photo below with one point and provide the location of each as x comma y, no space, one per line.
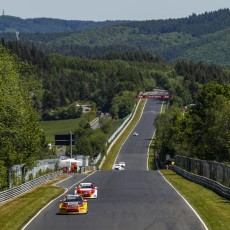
64,139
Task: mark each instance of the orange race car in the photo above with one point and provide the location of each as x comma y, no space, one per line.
73,204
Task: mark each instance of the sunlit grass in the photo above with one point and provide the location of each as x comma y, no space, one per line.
16,213
51,128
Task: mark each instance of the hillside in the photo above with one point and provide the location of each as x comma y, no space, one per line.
48,25
202,37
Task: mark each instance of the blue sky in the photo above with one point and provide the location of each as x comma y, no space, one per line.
101,10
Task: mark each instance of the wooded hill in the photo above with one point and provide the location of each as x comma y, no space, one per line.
203,37
60,80
48,25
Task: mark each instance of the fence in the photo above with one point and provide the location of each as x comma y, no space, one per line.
16,191
213,185
210,169
42,165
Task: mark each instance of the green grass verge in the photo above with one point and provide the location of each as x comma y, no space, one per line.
212,208
112,154
17,212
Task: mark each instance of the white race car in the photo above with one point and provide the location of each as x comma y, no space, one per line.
117,167
87,190
122,164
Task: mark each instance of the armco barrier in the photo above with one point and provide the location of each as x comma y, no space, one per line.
16,191
211,184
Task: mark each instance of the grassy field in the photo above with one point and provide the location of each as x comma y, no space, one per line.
51,128
17,212
213,209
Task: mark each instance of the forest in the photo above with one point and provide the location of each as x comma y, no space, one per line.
203,37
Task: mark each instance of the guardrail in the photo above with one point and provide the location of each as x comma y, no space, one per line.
211,184
19,190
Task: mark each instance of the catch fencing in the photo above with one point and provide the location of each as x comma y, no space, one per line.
211,174
19,190
210,169
42,166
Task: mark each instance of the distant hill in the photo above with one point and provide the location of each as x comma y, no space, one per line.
203,37
48,25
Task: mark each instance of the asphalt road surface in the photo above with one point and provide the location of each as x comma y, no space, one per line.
131,199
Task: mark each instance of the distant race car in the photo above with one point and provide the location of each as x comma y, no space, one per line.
87,190
73,204
117,167
135,133
122,164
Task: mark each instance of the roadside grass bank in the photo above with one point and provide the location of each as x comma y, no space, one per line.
16,213
112,154
212,208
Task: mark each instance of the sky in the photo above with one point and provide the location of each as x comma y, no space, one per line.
102,10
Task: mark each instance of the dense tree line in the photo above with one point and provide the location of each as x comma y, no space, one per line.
61,81
196,25
21,139
199,130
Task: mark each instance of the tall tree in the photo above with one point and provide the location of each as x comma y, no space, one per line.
20,133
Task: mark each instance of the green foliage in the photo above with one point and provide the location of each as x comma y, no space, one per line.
31,177
62,113
105,125
3,175
210,123
89,142
202,129
122,105
20,134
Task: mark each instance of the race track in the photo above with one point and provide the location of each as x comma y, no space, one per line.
132,199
